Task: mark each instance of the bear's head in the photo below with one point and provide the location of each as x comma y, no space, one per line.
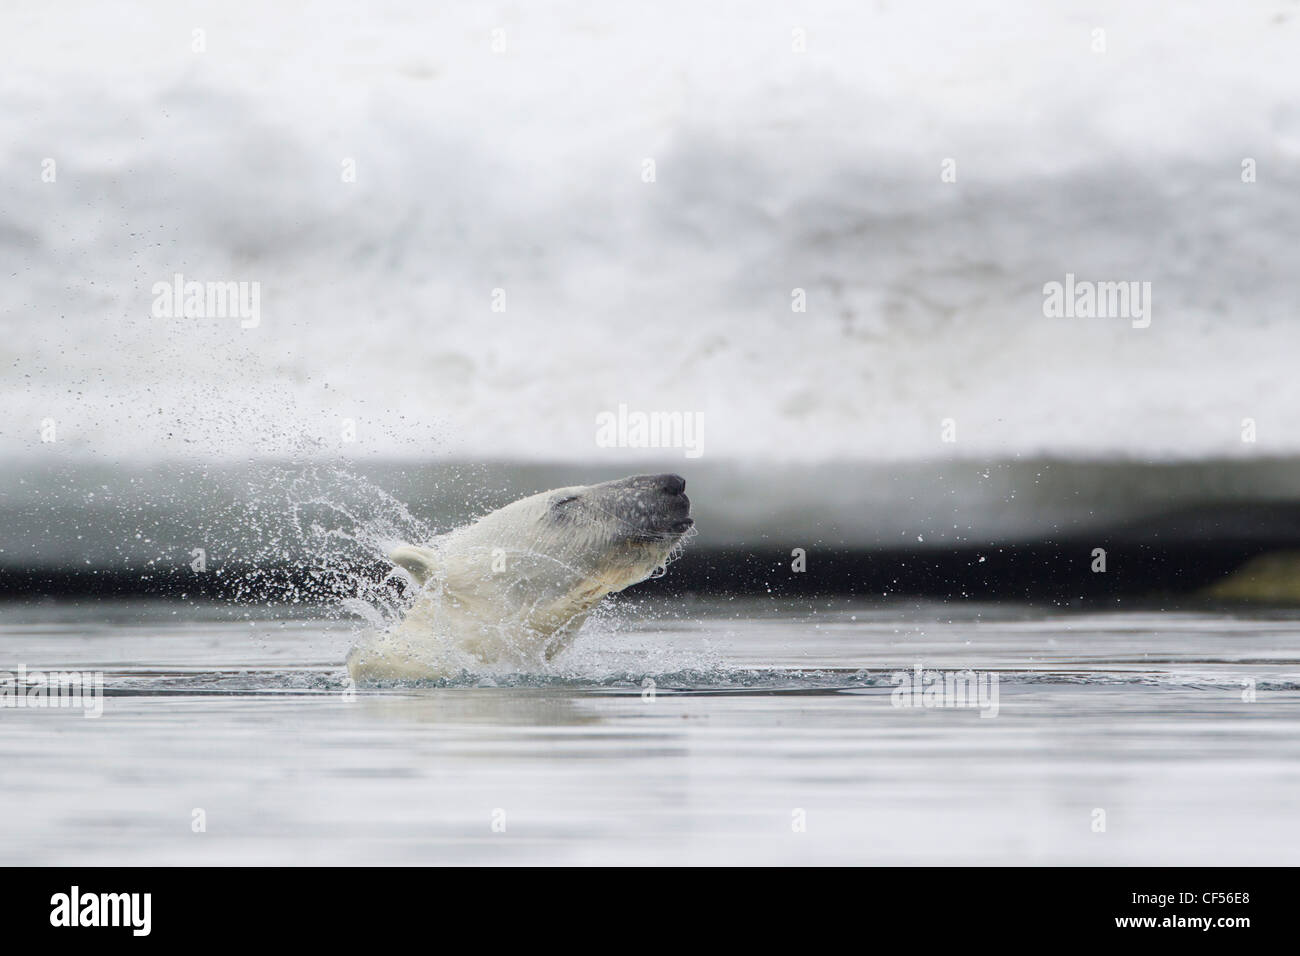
529,573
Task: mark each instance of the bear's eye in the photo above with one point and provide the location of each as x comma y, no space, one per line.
560,509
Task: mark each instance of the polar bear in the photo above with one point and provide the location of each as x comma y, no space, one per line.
513,588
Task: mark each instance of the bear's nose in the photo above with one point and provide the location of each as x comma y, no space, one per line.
672,484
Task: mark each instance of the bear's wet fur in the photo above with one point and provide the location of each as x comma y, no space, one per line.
512,589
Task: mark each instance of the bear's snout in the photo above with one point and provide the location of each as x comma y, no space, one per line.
672,484
654,505
678,506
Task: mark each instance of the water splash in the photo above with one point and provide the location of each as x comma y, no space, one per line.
317,536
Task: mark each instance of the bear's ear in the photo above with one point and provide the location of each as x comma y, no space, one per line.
420,562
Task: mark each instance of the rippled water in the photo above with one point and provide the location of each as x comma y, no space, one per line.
693,731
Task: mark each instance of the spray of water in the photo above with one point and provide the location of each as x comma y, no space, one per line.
318,536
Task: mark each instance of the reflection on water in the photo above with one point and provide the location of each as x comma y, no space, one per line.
708,732
492,708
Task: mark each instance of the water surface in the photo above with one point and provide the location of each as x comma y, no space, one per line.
769,736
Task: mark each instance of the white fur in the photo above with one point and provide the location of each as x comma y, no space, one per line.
513,588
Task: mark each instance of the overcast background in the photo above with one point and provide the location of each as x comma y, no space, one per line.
522,170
